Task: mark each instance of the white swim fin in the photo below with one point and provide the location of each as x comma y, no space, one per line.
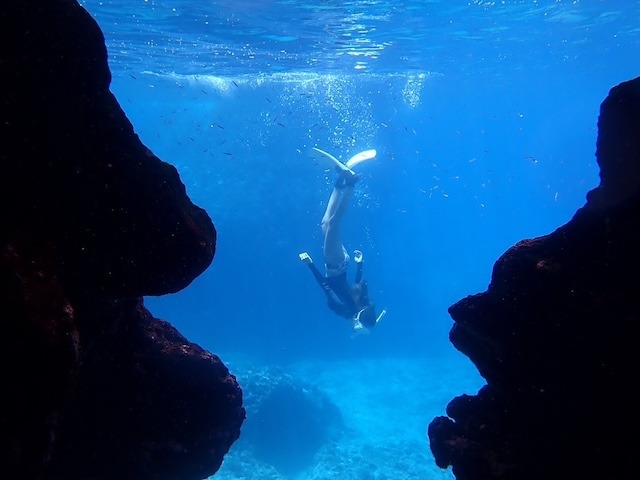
361,157
334,160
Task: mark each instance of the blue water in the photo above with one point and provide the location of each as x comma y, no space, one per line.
484,118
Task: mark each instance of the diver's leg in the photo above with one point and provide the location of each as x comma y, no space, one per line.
334,252
340,196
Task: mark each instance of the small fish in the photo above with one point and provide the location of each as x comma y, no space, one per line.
228,153
234,82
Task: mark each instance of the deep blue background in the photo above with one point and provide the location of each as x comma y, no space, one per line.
484,117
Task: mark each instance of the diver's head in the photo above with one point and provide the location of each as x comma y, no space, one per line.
367,316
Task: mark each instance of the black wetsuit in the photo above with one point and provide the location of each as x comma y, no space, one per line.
338,290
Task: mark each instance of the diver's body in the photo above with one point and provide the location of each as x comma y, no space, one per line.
348,301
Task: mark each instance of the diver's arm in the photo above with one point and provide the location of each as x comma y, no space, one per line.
321,279
317,275
359,273
359,259
306,259
326,288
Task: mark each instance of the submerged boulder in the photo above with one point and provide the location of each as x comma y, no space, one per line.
288,419
554,336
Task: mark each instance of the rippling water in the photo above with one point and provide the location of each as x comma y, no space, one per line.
235,37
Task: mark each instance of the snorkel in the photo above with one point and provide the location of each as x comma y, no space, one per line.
381,316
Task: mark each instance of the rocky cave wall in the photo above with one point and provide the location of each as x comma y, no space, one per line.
92,221
554,336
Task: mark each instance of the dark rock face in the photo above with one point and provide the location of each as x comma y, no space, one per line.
176,408
554,336
75,176
91,221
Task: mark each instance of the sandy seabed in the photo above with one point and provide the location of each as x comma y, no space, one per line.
386,405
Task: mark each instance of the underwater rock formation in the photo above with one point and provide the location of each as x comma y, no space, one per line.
288,419
91,221
554,336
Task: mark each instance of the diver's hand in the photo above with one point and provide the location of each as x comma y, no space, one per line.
357,256
305,258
